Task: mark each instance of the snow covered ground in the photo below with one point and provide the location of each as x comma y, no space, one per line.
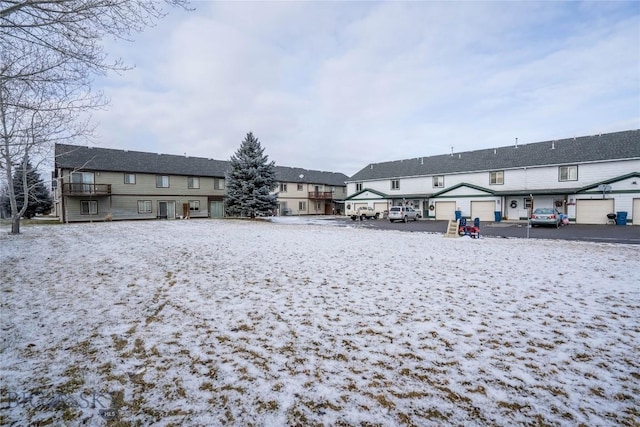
212,322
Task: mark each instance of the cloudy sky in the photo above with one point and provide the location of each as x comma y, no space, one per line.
338,85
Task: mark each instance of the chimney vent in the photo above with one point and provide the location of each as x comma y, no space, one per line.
553,145
516,142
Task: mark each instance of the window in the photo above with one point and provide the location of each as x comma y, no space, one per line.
144,206
568,173
88,207
194,205
302,206
300,187
318,206
129,178
193,182
283,188
496,177
438,181
527,202
358,186
162,181
218,184
395,184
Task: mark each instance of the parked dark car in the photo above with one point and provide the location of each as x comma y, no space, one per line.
546,216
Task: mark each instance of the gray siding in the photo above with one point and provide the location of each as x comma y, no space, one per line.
123,202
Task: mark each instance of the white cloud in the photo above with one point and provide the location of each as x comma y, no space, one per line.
335,86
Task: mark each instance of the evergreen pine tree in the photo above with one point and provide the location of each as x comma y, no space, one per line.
250,181
38,200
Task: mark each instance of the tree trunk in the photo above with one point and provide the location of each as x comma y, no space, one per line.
15,225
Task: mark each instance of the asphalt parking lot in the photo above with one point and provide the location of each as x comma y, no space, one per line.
628,234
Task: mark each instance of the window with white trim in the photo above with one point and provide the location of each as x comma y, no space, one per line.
88,207
144,206
358,186
300,187
194,205
496,177
193,182
302,206
395,184
283,188
218,184
129,178
162,181
568,173
438,181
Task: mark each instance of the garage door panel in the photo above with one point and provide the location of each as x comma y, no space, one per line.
380,207
593,211
445,210
484,210
635,214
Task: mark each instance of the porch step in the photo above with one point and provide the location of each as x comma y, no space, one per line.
452,229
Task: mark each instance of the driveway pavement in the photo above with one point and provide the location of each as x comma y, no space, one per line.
628,234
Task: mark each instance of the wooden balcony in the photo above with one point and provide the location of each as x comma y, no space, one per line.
75,189
321,195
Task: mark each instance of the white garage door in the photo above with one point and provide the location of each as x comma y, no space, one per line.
636,212
593,211
483,210
380,207
445,210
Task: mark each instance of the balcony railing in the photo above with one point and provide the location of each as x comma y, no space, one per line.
76,189
321,195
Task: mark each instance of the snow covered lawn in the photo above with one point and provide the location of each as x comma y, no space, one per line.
221,322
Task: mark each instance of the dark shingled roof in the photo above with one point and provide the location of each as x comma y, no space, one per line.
107,159
610,146
287,174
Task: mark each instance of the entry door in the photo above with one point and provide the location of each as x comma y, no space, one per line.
81,182
162,210
171,210
216,209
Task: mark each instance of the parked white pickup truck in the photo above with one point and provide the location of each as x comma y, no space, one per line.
364,213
